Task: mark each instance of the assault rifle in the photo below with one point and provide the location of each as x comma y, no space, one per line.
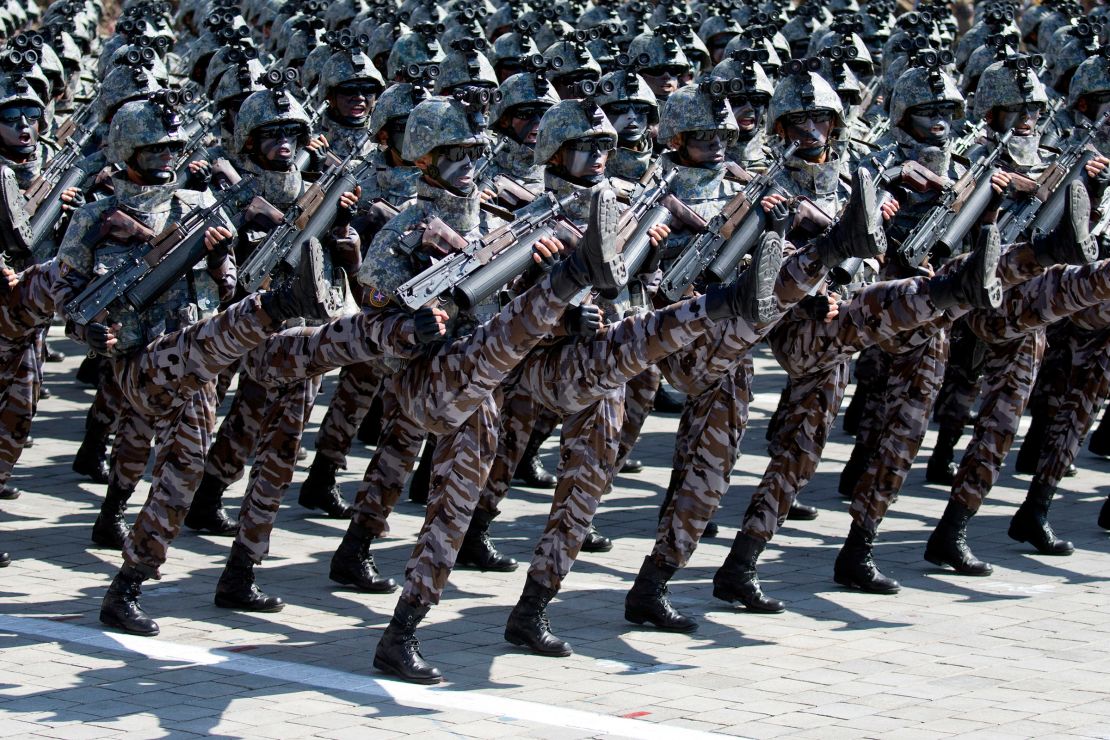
198,132
652,206
473,271
727,238
155,266
308,218
78,128
973,132
1041,213
44,195
956,212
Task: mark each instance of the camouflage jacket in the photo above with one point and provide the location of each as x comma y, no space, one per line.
89,251
630,164
704,190
825,186
515,162
383,181
345,140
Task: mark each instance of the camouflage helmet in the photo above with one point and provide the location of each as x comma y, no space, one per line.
521,89
921,85
419,46
743,65
995,20
718,25
1092,76
63,44
1011,81
510,47
385,34
1050,23
1071,47
275,104
802,89
15,89
660,51
571,58
699,107
239,81
140,123
568,120
314,65
397,101
465,64
759,39
996,48
125,82
628,86
442,121
348,65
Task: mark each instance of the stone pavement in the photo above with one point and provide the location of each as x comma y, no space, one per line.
1023,653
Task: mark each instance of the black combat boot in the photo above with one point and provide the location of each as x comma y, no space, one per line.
370,430
597,261
110,528
1104,514
88,372
947,544
1100,438
477,550
320,491
854,469
398,652
800,512
206,513
631,465
528,625
9,492
752,295
595,541
50,354
974,283
121,608
353,564
1070,242
91,459
736,579
5,560
855,566
668,401
530,472
647,601
942,466
309,293
236,589
1030,522
421,482
858,233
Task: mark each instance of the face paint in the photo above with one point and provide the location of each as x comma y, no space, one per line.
811,129
931,124
585,159
1021,119
704,148
630,120
524,122
155,164
19,131
353,102
453,166
664,79
277,145
748,113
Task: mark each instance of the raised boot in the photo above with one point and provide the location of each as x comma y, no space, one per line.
752,295
858,233
1070,242
353,563
1104,514
530,471
528,625
595,541
1030,522
320,491
398,652
942,467
309,293
736,579
17,237
120,607
477,550
91,459
947,544
854,469
855,566
236,588
206,513
421,481
599,249
1029,454
647,600
110,528
974,283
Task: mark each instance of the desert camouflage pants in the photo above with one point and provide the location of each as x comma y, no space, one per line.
20,383
963,377
28,308
639,397
358,385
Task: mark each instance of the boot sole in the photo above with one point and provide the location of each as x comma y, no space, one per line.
546,654
635,619
1079,202
234,606
108,621
731,598
603,223
990,253
870,205
857,586
345,581
762,275
389,670
15,203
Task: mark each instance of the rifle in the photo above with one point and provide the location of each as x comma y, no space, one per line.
1042,212
198,133
958,210
504,253
973,133
728,236
155,266
652,206
78,128
308,218
44,195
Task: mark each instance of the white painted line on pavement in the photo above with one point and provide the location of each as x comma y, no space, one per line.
353,683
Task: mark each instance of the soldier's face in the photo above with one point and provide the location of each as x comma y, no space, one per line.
155,164
1021,118
931,123
749,112
277,145
665,78
354,101
524,122
705,148
630,119
810,129
19,128
454,166
586,158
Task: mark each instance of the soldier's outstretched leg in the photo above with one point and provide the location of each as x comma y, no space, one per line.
130,452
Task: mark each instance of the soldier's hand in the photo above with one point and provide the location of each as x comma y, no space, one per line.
779,215
10,279
430,324
834,308
769,202
1000,181
658,234
546,251
486,195
72,199
345,210
218,239
200,175
582,321
1097,166
889,208
100,337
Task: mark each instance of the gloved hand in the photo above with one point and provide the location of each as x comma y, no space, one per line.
345,209
72,199
430,325
779,218
582,321
100,337
200,175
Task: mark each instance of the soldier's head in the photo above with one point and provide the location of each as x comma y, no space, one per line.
925,102
391,114
631,107
234,86
21,116
525,97
445,138
1010,96
271,124
749,104
667,68
147,137
1089,91
465,65
697,123
575,140
570,63
350,83
806,110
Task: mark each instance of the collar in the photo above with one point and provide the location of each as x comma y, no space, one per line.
693,183
461,213
148,199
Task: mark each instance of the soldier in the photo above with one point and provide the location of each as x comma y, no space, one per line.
666,67
349,86
749,106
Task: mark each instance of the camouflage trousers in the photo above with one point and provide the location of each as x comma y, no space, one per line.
716,372
20,384
639,397
358,386
28,308
962,379
172,384
1015,335
815,354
